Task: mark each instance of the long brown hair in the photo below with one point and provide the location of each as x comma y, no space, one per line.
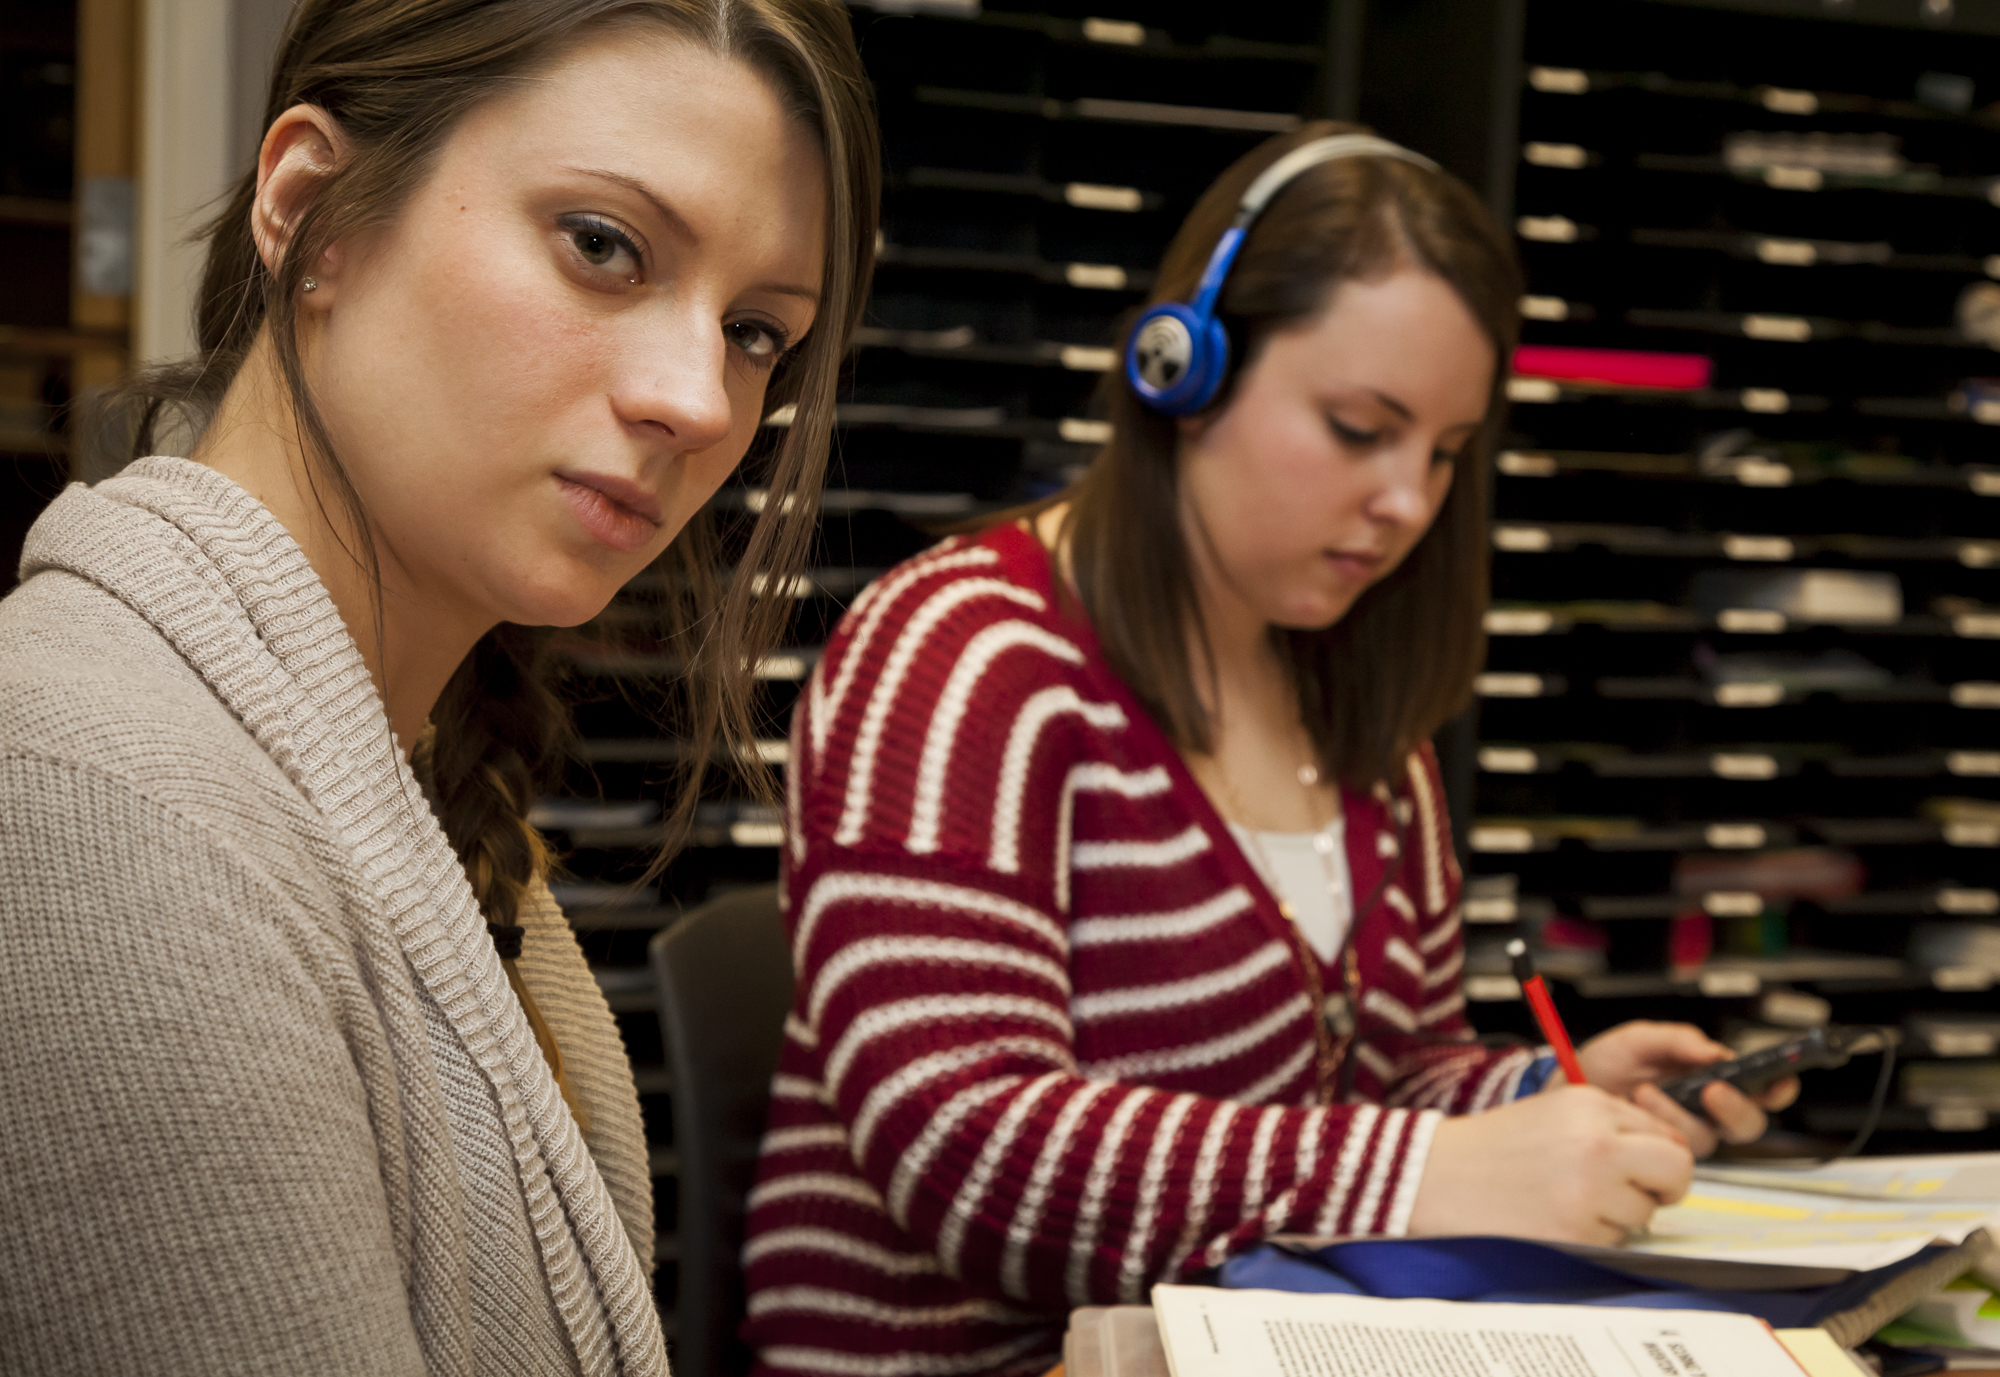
1377,683
398,76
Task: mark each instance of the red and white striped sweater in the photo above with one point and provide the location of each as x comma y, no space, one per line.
1052,1041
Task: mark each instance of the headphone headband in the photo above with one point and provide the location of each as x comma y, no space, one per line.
1178,353
1274,178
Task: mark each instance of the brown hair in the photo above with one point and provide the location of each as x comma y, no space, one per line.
1377,683
398,76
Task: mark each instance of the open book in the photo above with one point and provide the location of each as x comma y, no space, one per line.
1195,1331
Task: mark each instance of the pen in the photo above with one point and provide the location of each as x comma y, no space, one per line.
1536,991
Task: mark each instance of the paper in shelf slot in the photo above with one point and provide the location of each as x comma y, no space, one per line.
1842,596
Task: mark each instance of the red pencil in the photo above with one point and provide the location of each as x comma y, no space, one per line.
1536,991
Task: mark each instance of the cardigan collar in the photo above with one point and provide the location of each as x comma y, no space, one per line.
221,580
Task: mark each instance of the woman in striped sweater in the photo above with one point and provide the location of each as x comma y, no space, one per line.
1119,882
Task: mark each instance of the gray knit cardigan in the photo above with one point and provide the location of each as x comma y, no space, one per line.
267,1101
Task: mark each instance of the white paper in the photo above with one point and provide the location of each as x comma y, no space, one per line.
1717,1219
1940,1176
1214,1333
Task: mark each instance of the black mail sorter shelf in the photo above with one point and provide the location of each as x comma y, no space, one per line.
1739,731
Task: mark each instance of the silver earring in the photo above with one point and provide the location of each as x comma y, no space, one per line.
310,285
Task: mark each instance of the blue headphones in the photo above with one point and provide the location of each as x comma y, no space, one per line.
1179,353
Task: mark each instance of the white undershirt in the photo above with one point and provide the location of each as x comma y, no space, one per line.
1308,870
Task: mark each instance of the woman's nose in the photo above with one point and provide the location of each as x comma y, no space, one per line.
1402,492
675,383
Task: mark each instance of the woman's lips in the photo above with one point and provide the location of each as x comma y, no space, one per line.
613,510
1360,564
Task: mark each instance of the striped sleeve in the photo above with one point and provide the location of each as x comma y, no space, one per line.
1439,1065
936,1008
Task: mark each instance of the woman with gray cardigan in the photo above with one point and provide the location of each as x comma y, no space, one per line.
303,1069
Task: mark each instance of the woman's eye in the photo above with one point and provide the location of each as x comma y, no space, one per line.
755,338
602,245
1348,435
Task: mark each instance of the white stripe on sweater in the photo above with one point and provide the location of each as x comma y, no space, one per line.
1401,953
1393,896
823,1184
1042,707
1446,973
915,1163
1352,1149
892,1089
884,1020
1149,1065
927,811
1422,1131
1154,999
1293,1066
1388,1008
1494,1085
833,1243
875,718
846,886
1439,1010
1260,1159
1097,777
1420,786
829,1362
1132,1262
846,1305
1310,1135
796,1139
1097,1183
871,607
1395,1123
1172,926
1380,1066
872,952
965,1206
1202,1189
787,1087
1140,855
1028,1213
1440,934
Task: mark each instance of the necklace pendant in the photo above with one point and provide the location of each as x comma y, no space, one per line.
1308,775
1291,914
1339,1015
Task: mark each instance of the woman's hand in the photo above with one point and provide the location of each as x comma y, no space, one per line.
1630,1060
1573,1166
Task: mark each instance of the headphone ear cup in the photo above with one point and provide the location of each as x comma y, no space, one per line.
1216,355
1175,358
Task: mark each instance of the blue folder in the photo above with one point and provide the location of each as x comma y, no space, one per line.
1512,1269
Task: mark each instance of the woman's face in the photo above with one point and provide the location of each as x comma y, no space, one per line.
558,350
1336,450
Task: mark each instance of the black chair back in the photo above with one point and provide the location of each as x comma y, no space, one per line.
724,974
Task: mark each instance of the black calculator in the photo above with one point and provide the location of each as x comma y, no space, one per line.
1814,1051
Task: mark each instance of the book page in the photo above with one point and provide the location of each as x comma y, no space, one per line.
1214,1333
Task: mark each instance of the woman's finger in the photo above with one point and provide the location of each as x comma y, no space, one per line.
1659,1169
1698,1132
1736,1115
1781,1095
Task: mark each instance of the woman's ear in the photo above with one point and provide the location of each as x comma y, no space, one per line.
301,148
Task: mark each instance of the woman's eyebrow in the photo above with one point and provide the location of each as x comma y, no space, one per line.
1391,403
680,225
639,188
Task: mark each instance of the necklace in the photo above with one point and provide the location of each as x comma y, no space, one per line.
1324,844
1333,1029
